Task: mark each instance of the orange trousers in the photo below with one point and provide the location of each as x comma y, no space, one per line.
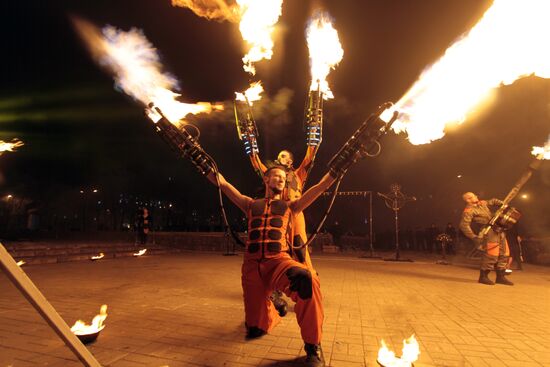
261,277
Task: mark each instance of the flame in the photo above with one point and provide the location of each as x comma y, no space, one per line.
542,152
101,255
81,328
211,9
505,45
10,147
410,353
325,51
257,24
21,263
136,67
251,94
140,252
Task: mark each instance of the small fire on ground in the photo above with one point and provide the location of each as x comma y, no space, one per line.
140,252
81,328
409,354
101,255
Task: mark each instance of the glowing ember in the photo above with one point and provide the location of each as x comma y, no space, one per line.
140,252
21,263
101,255
542,152
9,147
505,45
325,51
410,353
81,328
135,65
257,24
251,94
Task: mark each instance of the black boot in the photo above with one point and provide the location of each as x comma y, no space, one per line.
254,332
280,304
314,356
483,278
501,278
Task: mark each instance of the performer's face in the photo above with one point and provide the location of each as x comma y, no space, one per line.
470,198
276,180
285,158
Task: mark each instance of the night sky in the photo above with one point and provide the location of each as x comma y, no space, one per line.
79,132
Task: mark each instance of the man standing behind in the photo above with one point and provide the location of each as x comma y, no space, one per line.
495,245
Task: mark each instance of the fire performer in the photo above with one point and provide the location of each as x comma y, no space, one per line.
295,177
267,264
494,244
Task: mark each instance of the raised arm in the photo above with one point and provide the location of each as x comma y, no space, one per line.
257,164
307,163
313,193
230,191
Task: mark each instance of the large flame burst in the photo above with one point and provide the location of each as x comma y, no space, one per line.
257,24
542,152
136,67
505,45
325,51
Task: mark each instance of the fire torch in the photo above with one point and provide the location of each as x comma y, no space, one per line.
506,216
246,127
364,142
181,141
313,122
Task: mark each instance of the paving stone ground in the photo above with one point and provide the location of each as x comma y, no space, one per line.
186,310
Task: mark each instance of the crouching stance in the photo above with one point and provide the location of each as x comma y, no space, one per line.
268,265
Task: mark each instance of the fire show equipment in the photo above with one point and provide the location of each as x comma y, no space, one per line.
364,142
182,142
396,200
444,239
247,130
313,122
361,144
185,145
27,288
506,216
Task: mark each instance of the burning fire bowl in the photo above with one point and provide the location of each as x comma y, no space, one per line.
89,338
389,365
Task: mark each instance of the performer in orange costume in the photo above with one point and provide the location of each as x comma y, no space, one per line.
267,264
295,180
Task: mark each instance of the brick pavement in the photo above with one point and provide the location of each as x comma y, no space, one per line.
186,310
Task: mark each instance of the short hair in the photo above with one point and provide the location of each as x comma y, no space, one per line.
289,153
268,171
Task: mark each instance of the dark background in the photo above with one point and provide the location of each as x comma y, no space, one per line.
81,134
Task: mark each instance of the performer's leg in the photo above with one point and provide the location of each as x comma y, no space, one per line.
502,261
303,286
488,261
258,308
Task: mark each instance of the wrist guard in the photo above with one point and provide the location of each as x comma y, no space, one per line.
183,143
314,118
361,143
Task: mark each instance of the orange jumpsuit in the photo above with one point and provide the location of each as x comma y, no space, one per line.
296,179
268,267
